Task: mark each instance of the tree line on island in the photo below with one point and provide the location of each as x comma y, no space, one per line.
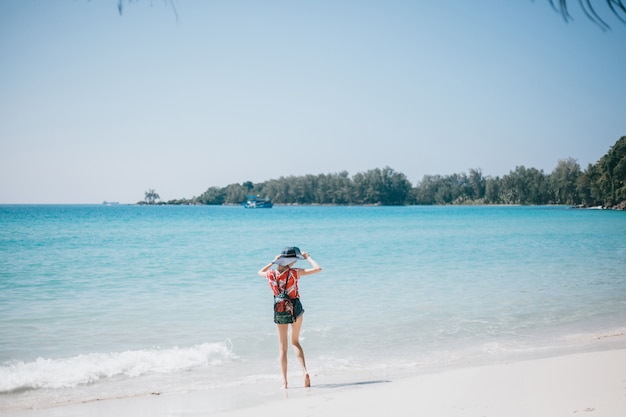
600,184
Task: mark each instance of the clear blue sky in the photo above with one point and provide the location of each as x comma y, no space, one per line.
96,106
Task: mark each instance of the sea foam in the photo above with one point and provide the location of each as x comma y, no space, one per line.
91,368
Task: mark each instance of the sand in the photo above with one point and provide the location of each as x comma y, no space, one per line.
589,384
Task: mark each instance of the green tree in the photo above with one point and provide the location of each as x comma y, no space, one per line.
235,194
477,184
365,187
493,191
385,187
425,190
525,186
395,188
340,187
151,196
609,174
248,185
212,196
617,8
564,180
586,189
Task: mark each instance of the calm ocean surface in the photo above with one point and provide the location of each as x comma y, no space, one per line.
108,301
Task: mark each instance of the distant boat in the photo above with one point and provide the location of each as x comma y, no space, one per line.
110,203
255,201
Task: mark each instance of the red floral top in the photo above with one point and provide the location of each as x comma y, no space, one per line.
277,281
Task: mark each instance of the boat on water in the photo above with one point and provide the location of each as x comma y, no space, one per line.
254,201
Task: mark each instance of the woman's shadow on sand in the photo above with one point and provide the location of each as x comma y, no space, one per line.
351,384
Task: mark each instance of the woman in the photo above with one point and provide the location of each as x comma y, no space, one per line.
285,277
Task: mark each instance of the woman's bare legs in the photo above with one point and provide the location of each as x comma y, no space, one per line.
295,341
283,330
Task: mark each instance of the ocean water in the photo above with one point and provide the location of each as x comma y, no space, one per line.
102,302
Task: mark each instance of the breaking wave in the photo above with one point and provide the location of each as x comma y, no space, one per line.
93,367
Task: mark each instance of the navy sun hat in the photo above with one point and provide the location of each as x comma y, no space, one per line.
289,255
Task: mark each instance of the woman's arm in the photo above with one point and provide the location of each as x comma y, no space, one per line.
267,267
316,268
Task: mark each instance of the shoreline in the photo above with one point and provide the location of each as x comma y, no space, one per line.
585,383
592,382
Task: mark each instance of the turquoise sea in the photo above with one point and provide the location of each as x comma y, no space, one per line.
102,302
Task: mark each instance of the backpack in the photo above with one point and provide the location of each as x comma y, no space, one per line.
284,310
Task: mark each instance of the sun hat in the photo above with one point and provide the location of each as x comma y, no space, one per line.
289,255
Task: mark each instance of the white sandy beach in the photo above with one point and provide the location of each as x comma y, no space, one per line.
585,384
591,384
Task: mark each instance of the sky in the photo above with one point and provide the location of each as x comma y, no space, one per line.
184,95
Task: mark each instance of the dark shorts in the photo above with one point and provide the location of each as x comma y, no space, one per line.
298,306
299,310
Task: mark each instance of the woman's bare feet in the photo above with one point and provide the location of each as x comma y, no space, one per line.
307,381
